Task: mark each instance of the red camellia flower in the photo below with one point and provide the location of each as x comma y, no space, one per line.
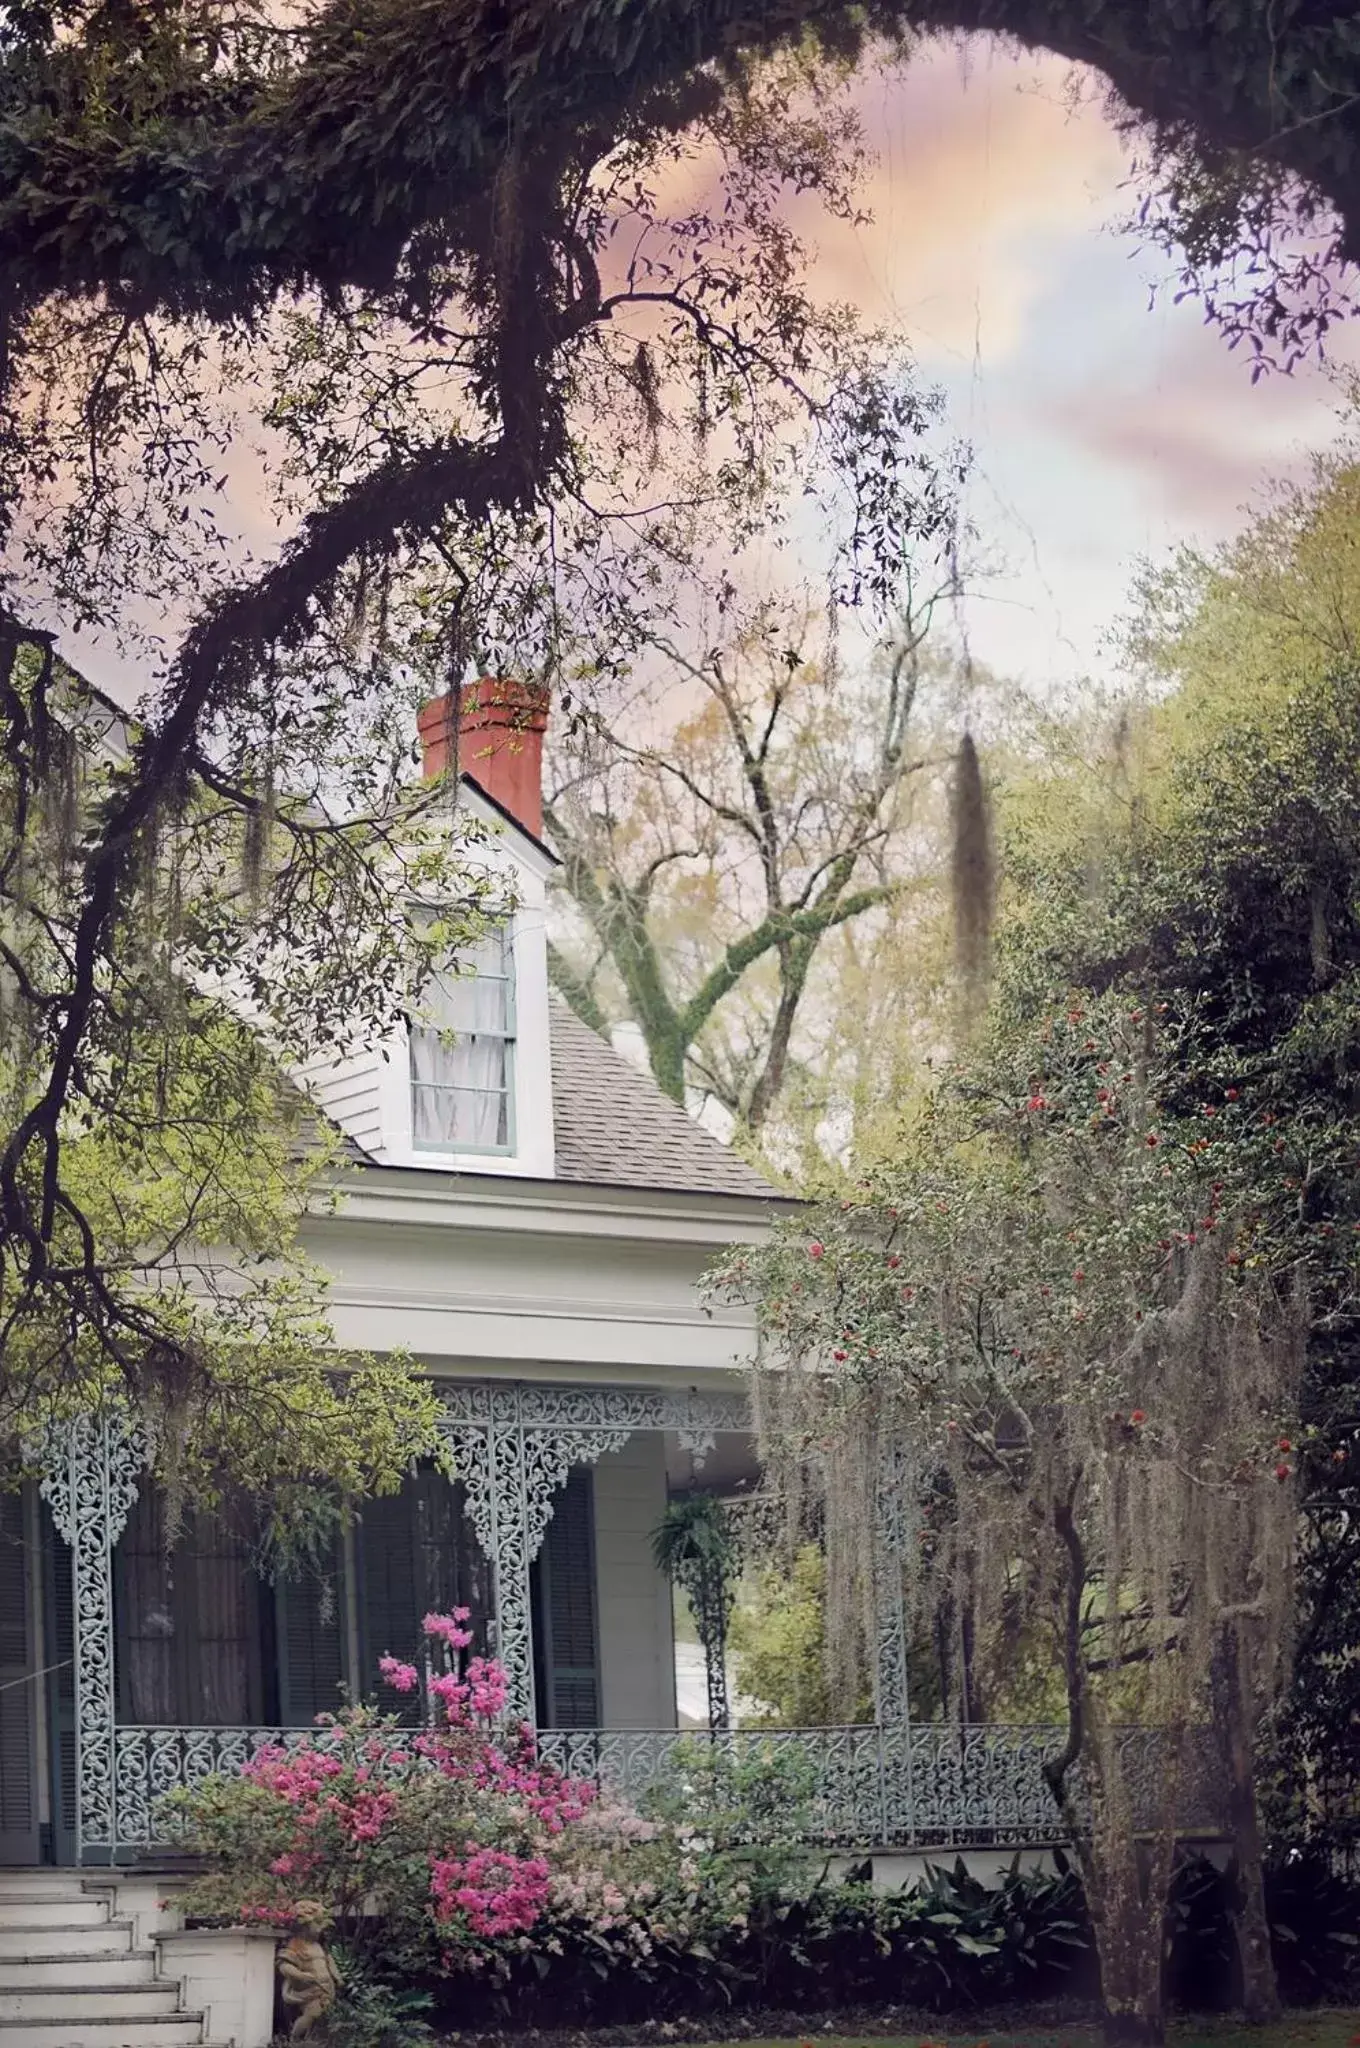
1037,1102
816,1250
1283,1472
840,1356
1078,1277
1137,1417
1153,1139
1284,1444
1231,1094
894,1259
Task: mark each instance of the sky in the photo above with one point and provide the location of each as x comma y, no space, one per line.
1104,428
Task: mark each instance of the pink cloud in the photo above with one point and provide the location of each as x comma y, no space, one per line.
1184,423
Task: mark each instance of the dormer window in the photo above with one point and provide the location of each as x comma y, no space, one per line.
463,1054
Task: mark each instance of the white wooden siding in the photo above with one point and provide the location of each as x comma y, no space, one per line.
637,1650
349,1091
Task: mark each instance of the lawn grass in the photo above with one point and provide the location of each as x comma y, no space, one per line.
1303,2030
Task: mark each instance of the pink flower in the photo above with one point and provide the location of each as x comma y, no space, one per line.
494,1892
448,1628
401,1677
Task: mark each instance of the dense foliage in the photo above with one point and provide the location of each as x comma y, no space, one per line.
273,163
1102,1295
157,1160
1226,875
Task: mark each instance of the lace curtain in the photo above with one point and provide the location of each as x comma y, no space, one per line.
460,1055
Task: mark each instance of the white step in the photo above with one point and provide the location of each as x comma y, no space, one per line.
37,1910
169,2030
87,1966
47,1884
89,2000
110,1937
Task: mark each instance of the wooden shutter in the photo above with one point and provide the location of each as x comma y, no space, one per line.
61,1690
566,1635
417,1556
187,1620
20,1685
309,1627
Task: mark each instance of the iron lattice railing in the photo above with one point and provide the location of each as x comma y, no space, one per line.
909,1787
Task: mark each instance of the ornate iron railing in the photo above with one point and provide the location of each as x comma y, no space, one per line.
909,1787
922,1787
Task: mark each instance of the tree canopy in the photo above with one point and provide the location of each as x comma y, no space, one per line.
207,161
426,248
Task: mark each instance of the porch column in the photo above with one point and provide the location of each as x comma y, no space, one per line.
894,1501
892,1498
92,1471
511,1470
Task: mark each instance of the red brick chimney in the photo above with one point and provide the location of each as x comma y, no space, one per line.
496,738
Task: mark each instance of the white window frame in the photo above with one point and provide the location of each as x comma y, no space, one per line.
426,1149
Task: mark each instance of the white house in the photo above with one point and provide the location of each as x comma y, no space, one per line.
527,1215
530,1217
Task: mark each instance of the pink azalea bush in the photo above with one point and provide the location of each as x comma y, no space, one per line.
452,1847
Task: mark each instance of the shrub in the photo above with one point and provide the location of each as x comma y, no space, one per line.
456,1851
369,2013
461,1873
446,1836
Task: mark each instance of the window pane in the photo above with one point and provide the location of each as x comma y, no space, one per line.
477,998
451,1119
460,1083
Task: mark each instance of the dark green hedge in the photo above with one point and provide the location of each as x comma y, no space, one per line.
955,1945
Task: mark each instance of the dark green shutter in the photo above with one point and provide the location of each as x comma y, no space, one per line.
19,1687
417,1556
309,1627
61,1691
389,1607
566,1636
187,1619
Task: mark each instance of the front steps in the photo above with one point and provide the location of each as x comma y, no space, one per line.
71,1976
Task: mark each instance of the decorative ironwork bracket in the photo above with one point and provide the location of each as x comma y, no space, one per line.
512,1444
92,1470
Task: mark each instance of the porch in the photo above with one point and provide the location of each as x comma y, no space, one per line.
144,1668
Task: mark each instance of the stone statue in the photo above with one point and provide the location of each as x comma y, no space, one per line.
306,1971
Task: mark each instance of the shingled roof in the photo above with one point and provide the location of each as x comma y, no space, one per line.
613,1127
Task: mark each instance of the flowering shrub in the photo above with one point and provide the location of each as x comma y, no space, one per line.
445,1837
454,1848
